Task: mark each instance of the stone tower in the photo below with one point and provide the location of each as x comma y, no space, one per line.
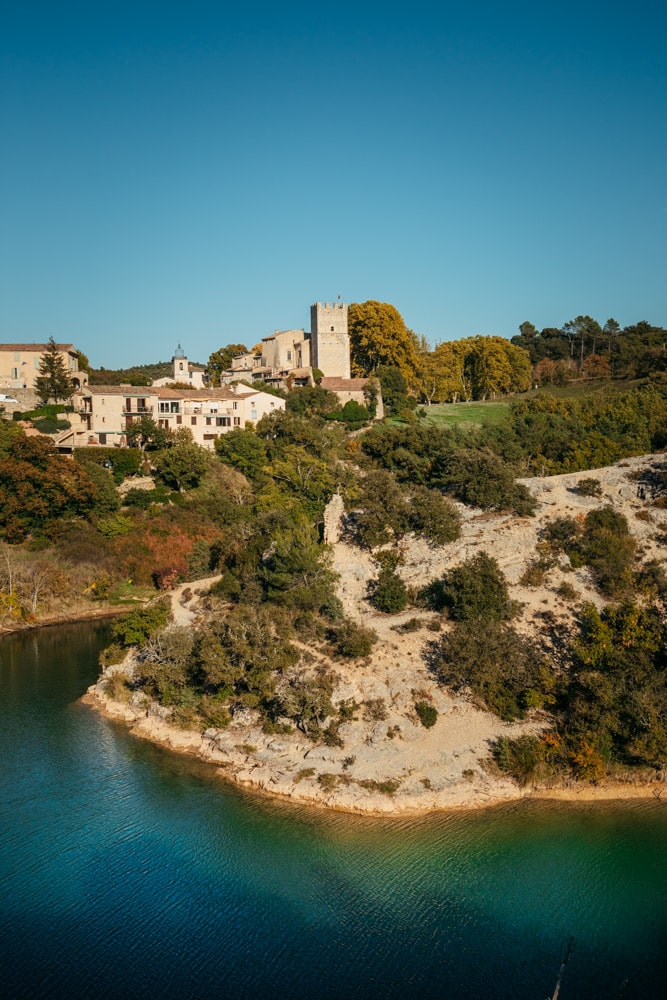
329,339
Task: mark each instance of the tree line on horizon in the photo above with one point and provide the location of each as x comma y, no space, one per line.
480,367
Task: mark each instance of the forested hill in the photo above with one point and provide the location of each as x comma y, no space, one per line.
136,375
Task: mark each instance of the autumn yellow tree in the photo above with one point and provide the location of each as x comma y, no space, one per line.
379,336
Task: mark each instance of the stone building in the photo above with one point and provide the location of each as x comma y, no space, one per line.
288,357
330,341
20,365
103,413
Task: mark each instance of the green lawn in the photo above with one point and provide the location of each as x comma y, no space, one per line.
448,414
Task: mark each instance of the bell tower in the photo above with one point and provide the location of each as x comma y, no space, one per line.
180,365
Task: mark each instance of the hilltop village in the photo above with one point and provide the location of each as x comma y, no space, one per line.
356,571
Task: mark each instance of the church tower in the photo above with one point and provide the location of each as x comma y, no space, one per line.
329,339
180,365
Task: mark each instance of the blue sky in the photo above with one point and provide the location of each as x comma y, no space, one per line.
202,172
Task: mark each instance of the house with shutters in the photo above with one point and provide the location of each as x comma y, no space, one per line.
103,413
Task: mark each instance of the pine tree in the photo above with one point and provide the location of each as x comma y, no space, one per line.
53,382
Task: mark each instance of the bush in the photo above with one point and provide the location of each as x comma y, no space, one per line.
428,714
388,593
609,549
142,499
375,710
589,488
123,462
45,425
534,575
505,671
434,517
139,625
352,641
477,589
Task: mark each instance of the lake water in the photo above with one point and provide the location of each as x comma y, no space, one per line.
130,872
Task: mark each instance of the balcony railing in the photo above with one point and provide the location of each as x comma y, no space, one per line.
140,410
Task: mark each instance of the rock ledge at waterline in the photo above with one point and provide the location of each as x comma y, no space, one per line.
396,766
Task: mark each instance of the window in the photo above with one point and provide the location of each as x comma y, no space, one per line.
37,363
235,406
179,419
289,355
15,373
237,421
103,438
223,422
193,421
332,329
208,421
17,356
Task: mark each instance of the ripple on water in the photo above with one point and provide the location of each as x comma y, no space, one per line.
128,871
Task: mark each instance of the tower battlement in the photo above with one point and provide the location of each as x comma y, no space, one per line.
330,343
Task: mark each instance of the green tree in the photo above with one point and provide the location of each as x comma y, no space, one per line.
221,360
244,450
388,593
477,590
384,513
504,670
379,336
183,465
145,433
394,390
53,382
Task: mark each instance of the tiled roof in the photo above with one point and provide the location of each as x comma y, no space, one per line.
37,347
161,392
344,384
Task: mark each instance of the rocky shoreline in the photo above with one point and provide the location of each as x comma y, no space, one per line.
276,770
389,763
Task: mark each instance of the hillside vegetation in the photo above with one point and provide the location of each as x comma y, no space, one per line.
278,641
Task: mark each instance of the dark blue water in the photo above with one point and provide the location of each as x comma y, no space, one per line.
129,872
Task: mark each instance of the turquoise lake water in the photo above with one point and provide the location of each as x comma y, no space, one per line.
126,871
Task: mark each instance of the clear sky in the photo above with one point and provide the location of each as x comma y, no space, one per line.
202,172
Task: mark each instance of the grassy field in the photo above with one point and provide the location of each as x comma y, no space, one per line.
448,414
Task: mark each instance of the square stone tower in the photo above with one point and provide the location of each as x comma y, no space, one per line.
329,339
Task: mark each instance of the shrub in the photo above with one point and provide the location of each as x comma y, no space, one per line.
387,787
589,488
118,688
504,670
388,593
534,575
139,625
305,772
328,781
45,425
352,641
123,462
375,710
434,517
561,533
428,714
477,589
530,758
566,591
609,549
